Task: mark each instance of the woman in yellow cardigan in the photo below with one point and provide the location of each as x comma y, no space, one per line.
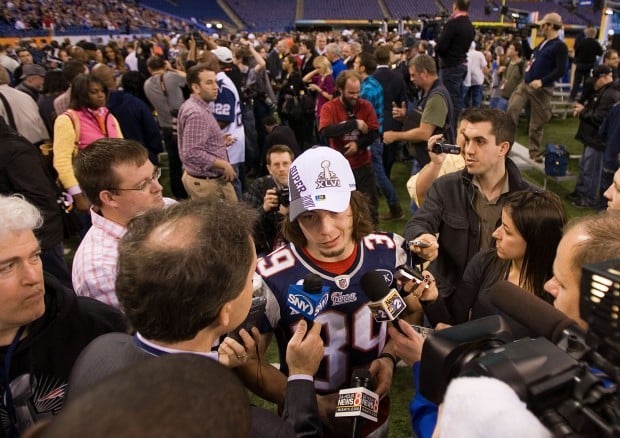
87,120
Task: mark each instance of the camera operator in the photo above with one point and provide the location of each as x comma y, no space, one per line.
586,240
269,194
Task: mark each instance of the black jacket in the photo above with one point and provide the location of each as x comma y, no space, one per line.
394,91
112,353
454,41
594,113
448,210
44,358
24,171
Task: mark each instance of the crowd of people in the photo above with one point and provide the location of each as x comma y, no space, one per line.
62,15
278,148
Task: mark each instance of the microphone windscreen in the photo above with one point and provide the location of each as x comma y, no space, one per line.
526,308
374,286
362,377
313,283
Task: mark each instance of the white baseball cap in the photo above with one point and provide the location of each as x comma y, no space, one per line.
223,54
320,179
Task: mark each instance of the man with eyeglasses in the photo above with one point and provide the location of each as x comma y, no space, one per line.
119,180
547,65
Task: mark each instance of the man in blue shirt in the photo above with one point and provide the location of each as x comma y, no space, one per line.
547,64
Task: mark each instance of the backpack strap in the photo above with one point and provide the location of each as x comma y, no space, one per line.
75,122
9,112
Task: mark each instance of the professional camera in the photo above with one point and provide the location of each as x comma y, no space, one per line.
200,42
440,147
282,193
559,376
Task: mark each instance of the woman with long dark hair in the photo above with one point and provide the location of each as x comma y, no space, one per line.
525,245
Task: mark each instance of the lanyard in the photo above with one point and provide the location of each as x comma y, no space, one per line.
6,369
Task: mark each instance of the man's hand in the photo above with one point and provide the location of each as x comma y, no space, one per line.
577,109
362,126
431,252
536,84
232,354
305,349
229,172
407,346
350,149
390,137
80,202
229,139
399,112
382,370
270,201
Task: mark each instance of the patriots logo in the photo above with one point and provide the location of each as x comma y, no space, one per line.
342,281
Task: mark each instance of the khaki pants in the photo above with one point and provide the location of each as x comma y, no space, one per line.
214,189
540,113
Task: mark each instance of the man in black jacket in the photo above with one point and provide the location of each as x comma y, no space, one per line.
464,207
24,171
591,117
43,326
394,93
452,47
587,50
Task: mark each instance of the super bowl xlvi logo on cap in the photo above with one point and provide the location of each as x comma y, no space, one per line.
327,178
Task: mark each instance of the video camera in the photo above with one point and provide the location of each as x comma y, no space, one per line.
559,376
441,147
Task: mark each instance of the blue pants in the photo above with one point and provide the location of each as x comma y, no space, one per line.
589,179
473,96
383,181
499,103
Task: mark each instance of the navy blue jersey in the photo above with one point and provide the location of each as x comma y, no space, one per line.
352,338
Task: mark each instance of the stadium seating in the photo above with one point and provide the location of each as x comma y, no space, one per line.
265,15
343,9
401,9
198,9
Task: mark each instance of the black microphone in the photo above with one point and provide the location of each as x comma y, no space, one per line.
359,401
385,304
527,309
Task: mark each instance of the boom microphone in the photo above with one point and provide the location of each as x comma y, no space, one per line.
527,309
309,298
385,304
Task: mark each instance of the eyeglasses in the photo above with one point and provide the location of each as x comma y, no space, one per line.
145,183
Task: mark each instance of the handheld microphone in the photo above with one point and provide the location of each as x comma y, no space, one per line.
309,298
385,304
527,309
359,401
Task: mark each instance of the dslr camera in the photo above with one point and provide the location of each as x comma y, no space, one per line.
283,196
441,147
